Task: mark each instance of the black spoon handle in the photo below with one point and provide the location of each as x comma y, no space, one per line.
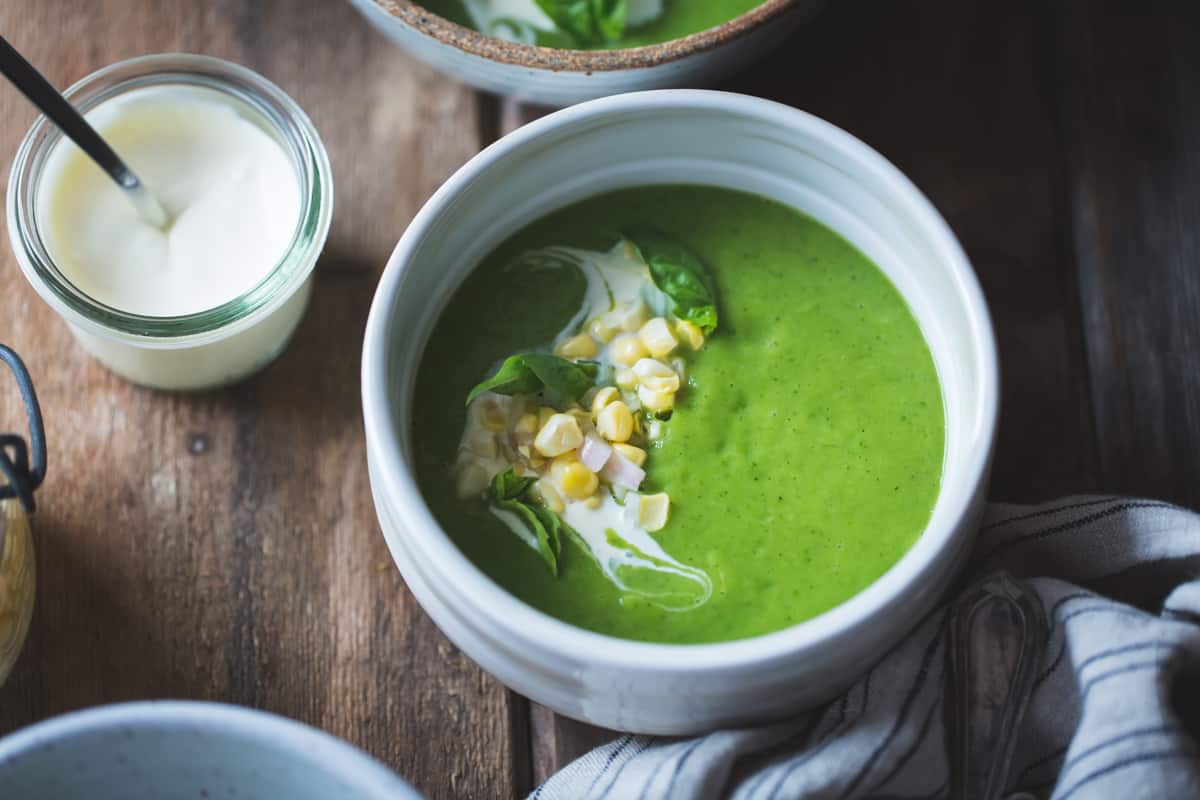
39,91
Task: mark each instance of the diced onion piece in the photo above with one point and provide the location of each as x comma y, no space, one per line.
594,452
620,471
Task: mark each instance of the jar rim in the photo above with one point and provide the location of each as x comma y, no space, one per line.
285,121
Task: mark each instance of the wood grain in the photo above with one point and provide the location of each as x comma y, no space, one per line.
1130,89
223,545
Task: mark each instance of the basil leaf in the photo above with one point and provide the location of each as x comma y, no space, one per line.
680,275
530,373
513,377
528,514
510,493
587,22
610,18
508,485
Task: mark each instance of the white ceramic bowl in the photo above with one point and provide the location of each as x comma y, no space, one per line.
561,77
677,137
168,750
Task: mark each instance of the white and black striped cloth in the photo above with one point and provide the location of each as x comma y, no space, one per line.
1113,712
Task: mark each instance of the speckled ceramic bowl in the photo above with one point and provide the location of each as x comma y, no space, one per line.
675,137
562,77
176,750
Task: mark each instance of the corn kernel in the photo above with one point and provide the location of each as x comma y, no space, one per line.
631,317
656,376
543,416
560,463
472,480
679,365
627,349
581,415
653,511
579,346
603,397
550,497
492,416
604,328
689,333
482,443
655,401
559,435
635,454
626,379
615,422
577,481
657,337
526,427
593,502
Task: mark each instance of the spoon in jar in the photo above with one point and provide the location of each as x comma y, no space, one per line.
42,94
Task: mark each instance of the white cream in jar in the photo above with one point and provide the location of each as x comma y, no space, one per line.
242,173
230,191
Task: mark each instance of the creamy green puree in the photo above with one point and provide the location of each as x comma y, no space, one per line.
520,20
803,456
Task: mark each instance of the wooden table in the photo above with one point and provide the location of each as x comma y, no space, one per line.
223,545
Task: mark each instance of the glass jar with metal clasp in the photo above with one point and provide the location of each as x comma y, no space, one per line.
22,469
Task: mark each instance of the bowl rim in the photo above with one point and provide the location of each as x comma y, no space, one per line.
433,543
356,767
470,41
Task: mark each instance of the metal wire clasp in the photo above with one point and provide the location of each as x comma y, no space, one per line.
22,477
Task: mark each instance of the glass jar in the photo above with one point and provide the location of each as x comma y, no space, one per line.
22,469
210,347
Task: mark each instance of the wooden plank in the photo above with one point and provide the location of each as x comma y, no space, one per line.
960,98
1130,88
223,545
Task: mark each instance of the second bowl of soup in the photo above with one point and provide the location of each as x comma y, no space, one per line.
678,408
558,53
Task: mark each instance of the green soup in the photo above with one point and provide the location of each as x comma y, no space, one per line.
678,18
804,454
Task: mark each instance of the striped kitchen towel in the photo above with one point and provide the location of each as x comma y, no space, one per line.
1112,700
